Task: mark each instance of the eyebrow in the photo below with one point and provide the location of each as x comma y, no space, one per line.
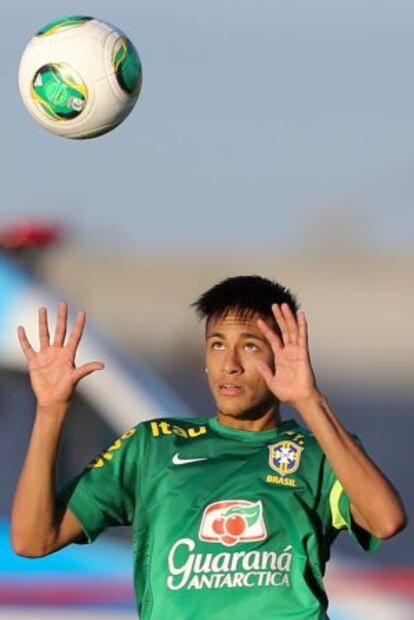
242,335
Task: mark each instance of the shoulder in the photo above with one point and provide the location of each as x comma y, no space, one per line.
137,436
304,437
303,443
298,434
123,447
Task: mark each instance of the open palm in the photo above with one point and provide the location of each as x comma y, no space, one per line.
52,369
292,378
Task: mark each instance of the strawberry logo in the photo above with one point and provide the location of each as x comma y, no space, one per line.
232,521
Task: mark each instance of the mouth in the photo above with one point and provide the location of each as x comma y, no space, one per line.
230,389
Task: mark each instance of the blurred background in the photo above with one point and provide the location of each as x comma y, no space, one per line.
269,137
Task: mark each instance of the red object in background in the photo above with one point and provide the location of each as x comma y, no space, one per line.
395,581
28,234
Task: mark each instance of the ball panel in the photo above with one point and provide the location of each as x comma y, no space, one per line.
81,49
104,111
63,23
127,66
59,91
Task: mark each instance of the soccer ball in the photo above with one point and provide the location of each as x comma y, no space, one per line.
80,77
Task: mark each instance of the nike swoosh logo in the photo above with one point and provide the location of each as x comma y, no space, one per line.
179,461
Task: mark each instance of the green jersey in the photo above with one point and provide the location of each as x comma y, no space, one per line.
226,523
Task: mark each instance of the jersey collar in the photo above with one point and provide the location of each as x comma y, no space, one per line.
251,436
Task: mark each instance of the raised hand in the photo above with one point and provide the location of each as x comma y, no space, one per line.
52,369
292,379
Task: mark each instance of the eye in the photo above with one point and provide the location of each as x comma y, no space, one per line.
251,346
217,346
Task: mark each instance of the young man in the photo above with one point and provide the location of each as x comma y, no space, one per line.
232,516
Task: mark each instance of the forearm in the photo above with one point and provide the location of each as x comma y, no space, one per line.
34,515
377,506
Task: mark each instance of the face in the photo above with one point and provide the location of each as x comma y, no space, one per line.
233,345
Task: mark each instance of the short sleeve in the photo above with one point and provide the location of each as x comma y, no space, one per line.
341,518
337,509
104,494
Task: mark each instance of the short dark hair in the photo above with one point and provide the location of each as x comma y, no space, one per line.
244,295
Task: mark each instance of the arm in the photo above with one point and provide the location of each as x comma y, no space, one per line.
375,505
39,525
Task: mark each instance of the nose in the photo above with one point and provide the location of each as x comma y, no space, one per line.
231,362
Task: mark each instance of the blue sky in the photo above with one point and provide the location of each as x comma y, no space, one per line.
258,121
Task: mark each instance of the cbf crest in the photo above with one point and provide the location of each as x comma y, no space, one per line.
284,456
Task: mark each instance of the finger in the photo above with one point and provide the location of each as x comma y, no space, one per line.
265,371
62,319
77,331
43,329
270,335
281,321
87,369
303,330
291,323
25,344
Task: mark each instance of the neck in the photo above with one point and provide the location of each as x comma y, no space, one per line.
257,420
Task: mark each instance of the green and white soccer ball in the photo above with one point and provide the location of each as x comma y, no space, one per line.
80,77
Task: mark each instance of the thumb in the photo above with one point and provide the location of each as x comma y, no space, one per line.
87,369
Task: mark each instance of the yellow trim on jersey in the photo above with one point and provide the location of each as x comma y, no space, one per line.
338,521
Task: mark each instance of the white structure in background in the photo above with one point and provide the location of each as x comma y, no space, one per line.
125,393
